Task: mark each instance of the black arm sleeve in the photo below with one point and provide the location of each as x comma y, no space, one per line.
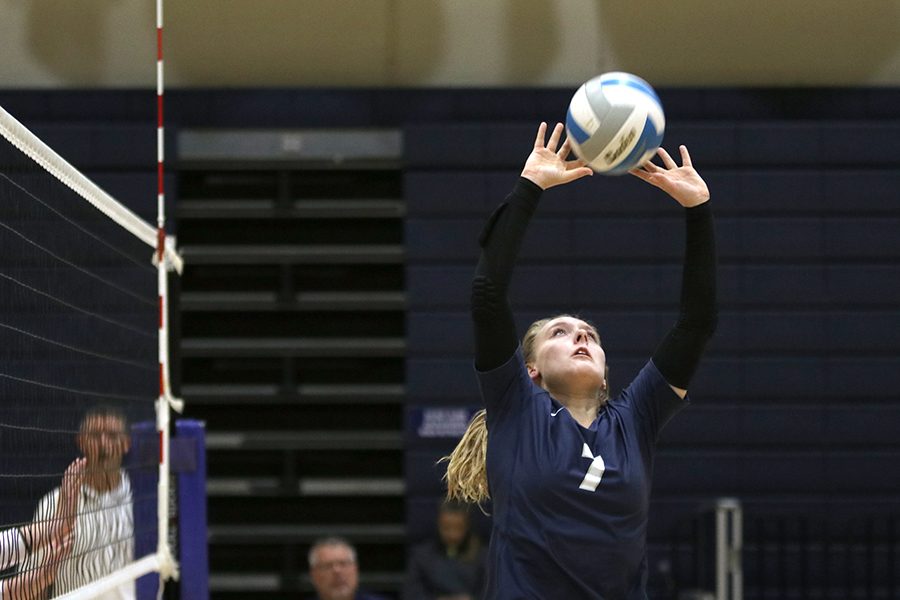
679,353
495,331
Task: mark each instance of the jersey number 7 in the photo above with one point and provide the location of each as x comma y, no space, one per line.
595,471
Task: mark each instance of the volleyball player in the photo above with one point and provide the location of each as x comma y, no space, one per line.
104,526
53,536
567,469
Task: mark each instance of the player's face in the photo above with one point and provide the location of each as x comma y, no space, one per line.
568,352
104,441
452,528
335,574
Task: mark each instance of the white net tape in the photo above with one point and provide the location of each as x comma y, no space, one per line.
30,145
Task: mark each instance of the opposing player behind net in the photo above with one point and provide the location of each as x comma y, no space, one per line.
103,529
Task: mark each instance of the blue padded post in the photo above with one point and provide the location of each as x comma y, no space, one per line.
189,461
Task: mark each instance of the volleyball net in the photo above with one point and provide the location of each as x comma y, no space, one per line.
84,391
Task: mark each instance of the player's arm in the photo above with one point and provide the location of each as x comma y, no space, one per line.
501,239
41,532
33,584
679,353
34,573
48,538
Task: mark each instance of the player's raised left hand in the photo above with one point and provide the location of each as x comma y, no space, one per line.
683,183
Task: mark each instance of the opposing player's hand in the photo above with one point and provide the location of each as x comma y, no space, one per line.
60,547
547,166
69,492
683,183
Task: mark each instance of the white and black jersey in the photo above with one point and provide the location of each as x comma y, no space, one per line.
12,551
103,540
12,548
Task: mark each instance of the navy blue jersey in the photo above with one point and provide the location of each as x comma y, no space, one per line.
570,504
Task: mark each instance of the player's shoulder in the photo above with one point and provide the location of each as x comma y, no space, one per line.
514,363
507,386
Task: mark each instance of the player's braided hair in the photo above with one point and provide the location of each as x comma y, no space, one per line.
466,475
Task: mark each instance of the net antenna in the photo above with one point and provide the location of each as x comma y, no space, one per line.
168,567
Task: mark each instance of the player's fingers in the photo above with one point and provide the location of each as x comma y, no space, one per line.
667,160
564,150
541,134
554,137
577,174
576,164
640,174
651,167
685,157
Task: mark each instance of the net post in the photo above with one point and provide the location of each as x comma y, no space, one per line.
192,522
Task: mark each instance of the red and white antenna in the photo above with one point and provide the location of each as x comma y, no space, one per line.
160,142
168,568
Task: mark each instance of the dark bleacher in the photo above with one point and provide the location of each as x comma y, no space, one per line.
293,347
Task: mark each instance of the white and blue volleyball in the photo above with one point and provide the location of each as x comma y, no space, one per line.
615,122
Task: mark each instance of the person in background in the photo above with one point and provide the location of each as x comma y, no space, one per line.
334,571
450,566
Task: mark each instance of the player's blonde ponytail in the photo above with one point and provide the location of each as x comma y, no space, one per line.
466,475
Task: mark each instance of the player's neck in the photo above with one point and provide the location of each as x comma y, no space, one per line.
582,407
584,415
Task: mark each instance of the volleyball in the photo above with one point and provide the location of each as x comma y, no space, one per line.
615,122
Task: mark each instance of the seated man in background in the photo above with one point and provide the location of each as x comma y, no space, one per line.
450,566
335,572
103,539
